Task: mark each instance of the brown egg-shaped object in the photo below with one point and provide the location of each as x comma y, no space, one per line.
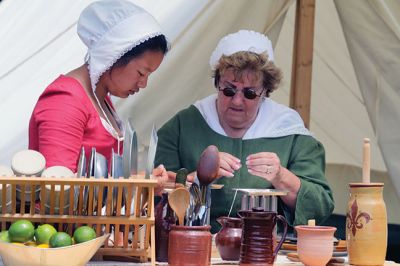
208,165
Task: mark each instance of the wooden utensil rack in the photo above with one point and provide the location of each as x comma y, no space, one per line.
139,224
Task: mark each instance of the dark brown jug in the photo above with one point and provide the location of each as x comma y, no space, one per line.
229,237
164,219
189,245
258,246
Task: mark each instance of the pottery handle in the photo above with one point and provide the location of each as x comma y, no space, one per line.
283,220
221,221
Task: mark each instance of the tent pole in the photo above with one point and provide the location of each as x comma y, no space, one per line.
300,91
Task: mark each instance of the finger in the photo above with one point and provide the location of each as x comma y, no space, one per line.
159,170
259,155
171,175
229,162
223,172
190,178
226,166
262,174
229,156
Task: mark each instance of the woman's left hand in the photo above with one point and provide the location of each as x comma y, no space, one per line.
264,164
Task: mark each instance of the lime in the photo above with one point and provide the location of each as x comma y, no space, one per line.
4,236
60,239
83,234
43,233
21,231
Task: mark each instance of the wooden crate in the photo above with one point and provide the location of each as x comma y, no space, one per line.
138,223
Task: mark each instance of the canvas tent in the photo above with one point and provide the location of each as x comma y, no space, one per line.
355,91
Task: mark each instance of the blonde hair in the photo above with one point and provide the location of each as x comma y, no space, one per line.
258,64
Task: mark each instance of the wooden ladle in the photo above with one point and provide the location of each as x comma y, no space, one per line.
179,200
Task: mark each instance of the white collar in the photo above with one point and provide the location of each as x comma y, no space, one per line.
273,119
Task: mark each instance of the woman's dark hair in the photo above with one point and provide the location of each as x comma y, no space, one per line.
157,44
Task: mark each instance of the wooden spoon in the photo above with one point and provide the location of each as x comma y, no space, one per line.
208,165
207,169
179,200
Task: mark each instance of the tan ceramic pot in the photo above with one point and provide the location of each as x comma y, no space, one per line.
366,224
315,244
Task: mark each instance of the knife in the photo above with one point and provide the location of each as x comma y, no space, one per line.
89,173
100,171
151,154
117,171
130,152
80,172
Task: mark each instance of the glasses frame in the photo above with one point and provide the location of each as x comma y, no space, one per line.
227,91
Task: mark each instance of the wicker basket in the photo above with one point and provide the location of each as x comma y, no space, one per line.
133,231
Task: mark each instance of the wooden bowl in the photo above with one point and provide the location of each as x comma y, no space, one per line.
78,254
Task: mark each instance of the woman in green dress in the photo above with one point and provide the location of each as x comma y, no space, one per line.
262,144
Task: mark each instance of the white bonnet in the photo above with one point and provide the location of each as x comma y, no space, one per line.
243,40
109,29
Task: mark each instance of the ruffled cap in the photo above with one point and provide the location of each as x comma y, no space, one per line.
109,29
243,40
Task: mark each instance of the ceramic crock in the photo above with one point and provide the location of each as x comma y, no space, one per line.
366,224
189,245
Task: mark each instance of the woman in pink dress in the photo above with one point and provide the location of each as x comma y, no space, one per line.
125,45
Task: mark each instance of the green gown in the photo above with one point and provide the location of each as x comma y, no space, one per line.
184,137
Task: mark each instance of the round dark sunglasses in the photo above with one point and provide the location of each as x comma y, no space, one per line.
248,93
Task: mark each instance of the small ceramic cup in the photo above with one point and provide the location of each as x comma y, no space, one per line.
315,244
6,171
58,172
28,163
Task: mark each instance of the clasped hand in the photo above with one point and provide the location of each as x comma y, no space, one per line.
263,164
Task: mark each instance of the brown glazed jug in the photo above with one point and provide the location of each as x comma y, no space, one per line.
229,237
189,245
366,224
164,219
258,246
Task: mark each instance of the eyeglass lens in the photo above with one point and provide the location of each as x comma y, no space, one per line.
248,93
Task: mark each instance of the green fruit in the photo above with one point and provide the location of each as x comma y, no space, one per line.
21,231
4,236
60,239
83,234
43,233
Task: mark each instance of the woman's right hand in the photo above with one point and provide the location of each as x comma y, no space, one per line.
228,164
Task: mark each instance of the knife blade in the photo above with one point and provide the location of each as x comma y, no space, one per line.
117,171
89,173
80,172
151,154
130,152
100,171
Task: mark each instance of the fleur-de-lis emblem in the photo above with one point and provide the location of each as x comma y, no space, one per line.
354,218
